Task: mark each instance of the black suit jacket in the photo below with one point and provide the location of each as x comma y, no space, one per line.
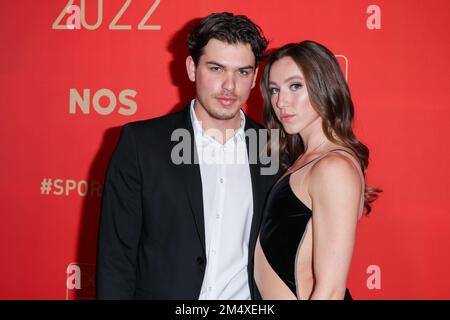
152,237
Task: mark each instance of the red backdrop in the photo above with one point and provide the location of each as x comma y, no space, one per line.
66,92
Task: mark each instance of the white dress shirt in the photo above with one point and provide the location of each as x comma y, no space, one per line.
228,212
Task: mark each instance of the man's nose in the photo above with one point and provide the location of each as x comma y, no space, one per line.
229,83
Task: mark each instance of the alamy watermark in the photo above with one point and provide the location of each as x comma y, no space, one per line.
257,144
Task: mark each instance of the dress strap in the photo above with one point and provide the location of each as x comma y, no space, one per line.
326,153
354,160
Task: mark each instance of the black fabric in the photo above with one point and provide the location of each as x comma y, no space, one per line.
285,220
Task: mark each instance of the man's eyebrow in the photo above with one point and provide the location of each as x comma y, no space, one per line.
222,66
215,63
247,67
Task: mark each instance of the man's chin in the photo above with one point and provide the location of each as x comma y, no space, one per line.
228,115
223,117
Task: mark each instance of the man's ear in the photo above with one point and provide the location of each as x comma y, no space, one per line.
255,76
190,68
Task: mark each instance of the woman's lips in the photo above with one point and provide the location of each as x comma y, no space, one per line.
286,117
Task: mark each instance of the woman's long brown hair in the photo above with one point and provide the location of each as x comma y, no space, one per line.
330,97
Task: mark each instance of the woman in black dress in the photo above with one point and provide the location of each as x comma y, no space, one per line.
307,236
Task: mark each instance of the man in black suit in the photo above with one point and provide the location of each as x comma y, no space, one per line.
180,219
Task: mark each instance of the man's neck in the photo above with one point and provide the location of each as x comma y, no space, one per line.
219,130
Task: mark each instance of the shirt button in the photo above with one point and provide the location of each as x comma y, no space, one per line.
217,216
209,288
221,180
214,252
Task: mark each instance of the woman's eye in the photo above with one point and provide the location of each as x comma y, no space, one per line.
296,86
273,91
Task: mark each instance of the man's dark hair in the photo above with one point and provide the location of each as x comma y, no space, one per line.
229,28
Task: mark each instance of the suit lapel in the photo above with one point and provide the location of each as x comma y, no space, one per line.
192,181
256,188
256,192
193,185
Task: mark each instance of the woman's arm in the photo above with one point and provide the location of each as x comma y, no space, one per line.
335,190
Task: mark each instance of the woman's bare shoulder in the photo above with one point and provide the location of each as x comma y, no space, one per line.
334,172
